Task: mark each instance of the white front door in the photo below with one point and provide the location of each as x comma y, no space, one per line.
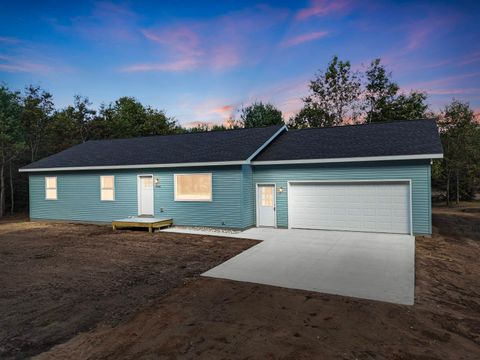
145,195
266,205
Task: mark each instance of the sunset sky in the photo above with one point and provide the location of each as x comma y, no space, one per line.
202,60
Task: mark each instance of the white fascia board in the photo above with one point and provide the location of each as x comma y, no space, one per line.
266,143
139,166
351,159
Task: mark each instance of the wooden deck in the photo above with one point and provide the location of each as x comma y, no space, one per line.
143,222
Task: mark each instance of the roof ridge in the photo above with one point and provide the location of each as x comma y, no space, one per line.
364,124
188,133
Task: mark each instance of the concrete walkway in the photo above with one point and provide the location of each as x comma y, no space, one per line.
364,265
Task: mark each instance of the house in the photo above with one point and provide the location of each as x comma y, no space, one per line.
373,177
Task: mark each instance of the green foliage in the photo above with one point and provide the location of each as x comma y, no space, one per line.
11,140
70,126
338,96
382,101
310,116
37,108
259,114
459,171
380,92
207,127
11,130
334,97
127,117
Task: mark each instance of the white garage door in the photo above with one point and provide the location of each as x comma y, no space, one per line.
356,206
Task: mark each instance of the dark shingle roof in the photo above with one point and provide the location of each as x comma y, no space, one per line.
412,137
214,146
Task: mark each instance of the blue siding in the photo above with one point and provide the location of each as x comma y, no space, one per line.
233,202
417,171
248,196
78,196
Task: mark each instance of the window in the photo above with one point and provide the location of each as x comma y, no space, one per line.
107,188
266,195
51,188
193,187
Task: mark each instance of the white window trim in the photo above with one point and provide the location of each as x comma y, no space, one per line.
101,188
47,188
195,200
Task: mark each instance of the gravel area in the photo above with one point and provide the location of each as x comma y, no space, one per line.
201,230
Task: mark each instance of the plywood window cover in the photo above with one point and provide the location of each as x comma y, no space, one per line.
193,187
107,184
51,187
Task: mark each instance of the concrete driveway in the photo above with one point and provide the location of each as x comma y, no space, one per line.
364,265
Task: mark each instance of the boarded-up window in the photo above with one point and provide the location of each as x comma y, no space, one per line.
51,188
107,184
193,187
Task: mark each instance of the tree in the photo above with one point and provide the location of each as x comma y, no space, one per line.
334,97
380,92
127,117
259,114
37,108
409,107
82,115
310,116
11,140
340,96
460,135
382,102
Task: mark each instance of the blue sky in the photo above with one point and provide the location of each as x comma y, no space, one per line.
202,60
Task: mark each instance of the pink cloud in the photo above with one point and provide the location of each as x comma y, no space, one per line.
455,91
323,8
9,40
303,38
419,33
476,114
181,39
446,81
15,64
224,57
107,22
470,59
417,38
219,44
175,66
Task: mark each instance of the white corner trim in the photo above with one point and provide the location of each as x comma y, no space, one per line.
350,159
137,166
266,143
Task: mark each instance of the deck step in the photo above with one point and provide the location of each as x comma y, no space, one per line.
142,222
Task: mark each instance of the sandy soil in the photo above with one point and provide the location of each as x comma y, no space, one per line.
221,319
57,280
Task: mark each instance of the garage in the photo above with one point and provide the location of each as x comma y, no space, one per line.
370,206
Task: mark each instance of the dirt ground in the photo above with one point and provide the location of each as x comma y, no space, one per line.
57,280
220,319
